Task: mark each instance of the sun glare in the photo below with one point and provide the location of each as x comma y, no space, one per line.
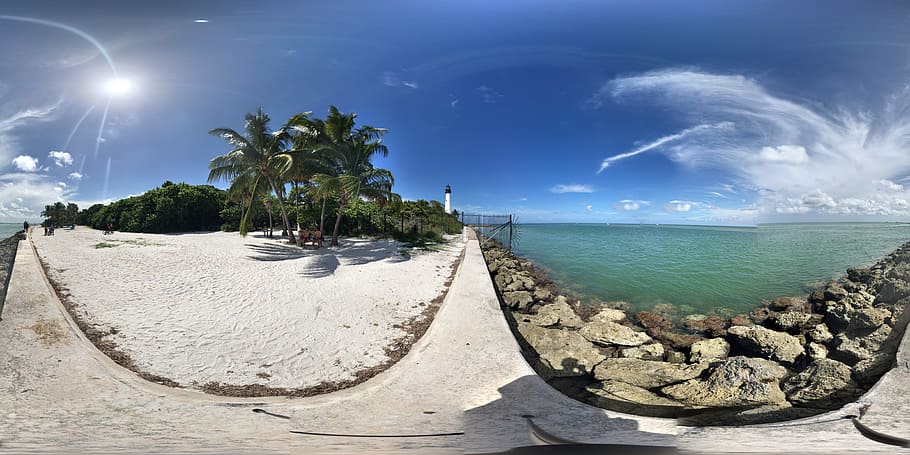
117,86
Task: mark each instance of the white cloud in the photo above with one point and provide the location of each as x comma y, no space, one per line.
589,208
796,158
409,84
454,102
629,205
60,158
793,154
679,206
571,188
25,163
889,185
27,194
75,176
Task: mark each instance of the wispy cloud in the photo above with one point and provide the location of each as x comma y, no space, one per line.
392,79
454,102
75,176
18,118
488,95
571,188
798,158
661,141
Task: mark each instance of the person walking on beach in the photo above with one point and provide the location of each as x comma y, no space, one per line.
25,228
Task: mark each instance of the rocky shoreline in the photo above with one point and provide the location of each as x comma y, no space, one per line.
789,358
8,247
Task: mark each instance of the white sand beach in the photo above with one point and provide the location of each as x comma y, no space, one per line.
216,307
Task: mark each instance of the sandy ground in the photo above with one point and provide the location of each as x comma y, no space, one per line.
216,307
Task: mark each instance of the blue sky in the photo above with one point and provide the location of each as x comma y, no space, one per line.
710,112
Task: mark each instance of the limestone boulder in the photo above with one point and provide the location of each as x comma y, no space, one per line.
679,340
816,351
560,352
820,333
608,315
652,351
610,333
791,321
824,383
869,318
559,313
652,322
647,374
767,343
707,350
852,348
623,397
518,300
738,381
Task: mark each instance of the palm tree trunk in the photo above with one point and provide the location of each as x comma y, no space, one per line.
337,223
284,213
297,202
322,216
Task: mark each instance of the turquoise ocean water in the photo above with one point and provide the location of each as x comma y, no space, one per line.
701,269
8,229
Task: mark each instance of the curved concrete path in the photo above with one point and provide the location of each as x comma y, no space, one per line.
466,375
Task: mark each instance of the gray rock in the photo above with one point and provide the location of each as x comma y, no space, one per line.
608,315
791,320
555,313
712,349
542,294
824,383
561,352
622,397
891,291
521,282
820,333
738,381
518,300
851,348
653,351
646,373
676,357
869,318
869,370
766,343
607,333
816,351
502,280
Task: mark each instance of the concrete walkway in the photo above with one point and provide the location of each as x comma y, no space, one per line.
466,375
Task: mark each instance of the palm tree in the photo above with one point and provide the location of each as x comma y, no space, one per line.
258,155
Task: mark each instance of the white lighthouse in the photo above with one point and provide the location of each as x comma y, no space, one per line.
448,199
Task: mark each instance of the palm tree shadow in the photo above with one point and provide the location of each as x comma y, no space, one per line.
275,252
364,251
323,263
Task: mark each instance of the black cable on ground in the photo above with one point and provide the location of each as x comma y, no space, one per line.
263,411
880,437
458,433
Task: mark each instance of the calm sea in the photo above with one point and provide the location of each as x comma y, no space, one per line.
8,229
703,269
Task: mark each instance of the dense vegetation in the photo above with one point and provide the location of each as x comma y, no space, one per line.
182,207
308,172
330,158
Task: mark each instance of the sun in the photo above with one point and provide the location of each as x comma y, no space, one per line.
117,86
